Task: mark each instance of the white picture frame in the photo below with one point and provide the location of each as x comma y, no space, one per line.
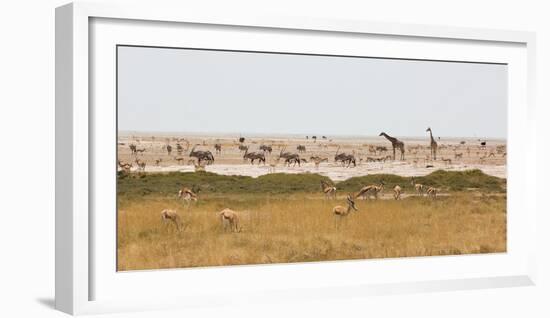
85,281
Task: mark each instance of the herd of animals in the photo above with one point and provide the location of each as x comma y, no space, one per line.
202,158
230,218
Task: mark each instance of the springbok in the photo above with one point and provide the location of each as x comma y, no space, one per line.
317,160
397,192
141,164
328,190
168,215
417,186
340,211
188,195
366,191
231,218
432,192
125,166
447,161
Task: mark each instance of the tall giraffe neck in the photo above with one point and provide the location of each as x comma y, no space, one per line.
431,136
390,138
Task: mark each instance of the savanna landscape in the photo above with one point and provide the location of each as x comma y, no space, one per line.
228,157
286,212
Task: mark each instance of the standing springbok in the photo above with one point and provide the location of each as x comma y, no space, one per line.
168,215
328,190
432,192
231,218
141,164
397,192
340,211
417,186
373,189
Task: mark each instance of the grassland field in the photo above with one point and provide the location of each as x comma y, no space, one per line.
286,218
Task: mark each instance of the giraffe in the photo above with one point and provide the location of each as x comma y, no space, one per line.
433,144
395,143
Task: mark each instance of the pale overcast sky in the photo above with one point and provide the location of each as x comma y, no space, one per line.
180,90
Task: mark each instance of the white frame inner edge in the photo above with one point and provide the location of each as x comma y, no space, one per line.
86,277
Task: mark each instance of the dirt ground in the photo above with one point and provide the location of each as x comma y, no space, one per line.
454,154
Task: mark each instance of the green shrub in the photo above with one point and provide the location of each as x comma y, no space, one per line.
281,183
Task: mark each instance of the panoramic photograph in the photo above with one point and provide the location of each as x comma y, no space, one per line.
237,158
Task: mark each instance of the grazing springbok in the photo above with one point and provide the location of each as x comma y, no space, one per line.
328,190
187,195
125,166
317,160
231,218
417,186
431,192
340,211
179,159
397,192
369,190
168,215
158,161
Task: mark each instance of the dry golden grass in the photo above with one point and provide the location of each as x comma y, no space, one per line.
301,228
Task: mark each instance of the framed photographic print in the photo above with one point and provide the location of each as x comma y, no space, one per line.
274,158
